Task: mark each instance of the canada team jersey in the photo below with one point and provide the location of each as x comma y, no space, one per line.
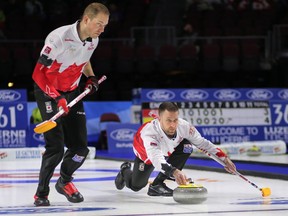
62,60
151,144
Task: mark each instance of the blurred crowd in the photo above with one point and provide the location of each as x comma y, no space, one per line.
42,16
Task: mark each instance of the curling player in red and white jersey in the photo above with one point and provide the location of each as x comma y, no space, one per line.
164,144
64,58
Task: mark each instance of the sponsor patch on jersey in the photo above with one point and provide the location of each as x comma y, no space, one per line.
48,107
153,144
47,50
187,148
78,158
68,39
191,130
91,46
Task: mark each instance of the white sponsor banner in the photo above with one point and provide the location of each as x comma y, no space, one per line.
270,147
9,154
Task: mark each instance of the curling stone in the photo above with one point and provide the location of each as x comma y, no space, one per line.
190,194
254,151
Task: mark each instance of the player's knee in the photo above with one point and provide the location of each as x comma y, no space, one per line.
78,155
81,151
136,188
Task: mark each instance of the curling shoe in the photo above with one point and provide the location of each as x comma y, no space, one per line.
69,191
119,180
160,190
41,201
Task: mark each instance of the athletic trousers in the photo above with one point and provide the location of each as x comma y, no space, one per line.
70,131
138,178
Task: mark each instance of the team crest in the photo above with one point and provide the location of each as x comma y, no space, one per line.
48,107
187,148
141,166
47,50
78,158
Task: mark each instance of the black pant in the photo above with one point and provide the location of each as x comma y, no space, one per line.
70,132
138,178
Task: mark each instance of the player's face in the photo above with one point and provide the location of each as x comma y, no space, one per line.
97,25
169,122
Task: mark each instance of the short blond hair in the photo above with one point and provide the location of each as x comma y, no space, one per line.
95,8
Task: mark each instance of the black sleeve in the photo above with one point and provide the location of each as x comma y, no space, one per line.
43,59
168,169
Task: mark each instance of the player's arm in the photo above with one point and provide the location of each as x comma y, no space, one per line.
53,46
88,71
155,155
39,76
92,81
206,146
229,165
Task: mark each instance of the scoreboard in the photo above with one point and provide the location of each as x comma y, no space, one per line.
227,115
223,113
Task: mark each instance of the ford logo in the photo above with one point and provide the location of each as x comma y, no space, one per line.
9,95
194,94
160,95
259,94
123,134
227,94
283,94
38,137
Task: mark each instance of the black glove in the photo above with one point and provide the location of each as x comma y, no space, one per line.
92,83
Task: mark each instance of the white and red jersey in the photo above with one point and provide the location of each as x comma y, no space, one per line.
65,55
152,145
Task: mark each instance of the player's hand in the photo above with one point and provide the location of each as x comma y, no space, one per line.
180,177
92,84
229,166
62,104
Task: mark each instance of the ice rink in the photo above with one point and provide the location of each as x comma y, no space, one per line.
227,194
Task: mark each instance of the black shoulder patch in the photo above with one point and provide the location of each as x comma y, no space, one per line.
44,60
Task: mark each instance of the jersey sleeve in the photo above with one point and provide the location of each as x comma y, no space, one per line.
203,144
154,153
53,46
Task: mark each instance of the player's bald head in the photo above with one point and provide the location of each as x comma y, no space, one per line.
93,9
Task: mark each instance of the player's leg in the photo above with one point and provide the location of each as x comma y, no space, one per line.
177,159
181,154
140,175
54,148
74,126
136,179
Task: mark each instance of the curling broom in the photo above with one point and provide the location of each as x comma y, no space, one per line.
49,124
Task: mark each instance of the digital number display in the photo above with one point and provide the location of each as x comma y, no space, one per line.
226,113
222,113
